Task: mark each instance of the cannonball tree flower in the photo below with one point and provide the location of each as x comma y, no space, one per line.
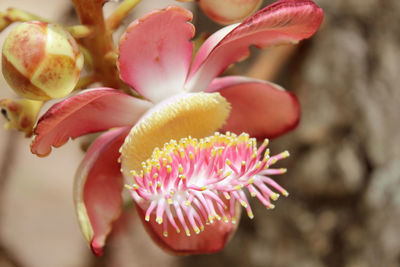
228,11
155,55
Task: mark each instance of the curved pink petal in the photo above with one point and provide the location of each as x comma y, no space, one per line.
212,239
259,108
90,111
286,21
229,11
98,186
155,53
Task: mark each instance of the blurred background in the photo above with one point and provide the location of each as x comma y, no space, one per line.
344,169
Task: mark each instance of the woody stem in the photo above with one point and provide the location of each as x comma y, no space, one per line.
100,43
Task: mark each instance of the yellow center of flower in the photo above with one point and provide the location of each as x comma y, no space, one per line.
197,115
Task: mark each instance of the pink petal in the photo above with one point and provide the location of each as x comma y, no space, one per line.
260,108
98,186
212,239
229,11
286,21
90,111
155,53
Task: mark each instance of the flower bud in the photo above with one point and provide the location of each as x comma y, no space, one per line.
41,61
20,114
229,11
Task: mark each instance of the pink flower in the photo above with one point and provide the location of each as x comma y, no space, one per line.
155,57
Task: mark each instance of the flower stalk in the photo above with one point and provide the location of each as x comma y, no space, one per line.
99,43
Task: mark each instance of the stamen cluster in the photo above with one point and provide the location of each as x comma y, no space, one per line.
192,182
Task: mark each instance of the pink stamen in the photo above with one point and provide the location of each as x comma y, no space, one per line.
232,209
263,200
152,206
181,217
193,182
171,219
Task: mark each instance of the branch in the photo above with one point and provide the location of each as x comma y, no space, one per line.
16,15
116,18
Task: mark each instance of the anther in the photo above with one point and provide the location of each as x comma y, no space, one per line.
274,196
285,193
250,214
227,174
226,195
187,232
285,154
239,186
266,142
169,168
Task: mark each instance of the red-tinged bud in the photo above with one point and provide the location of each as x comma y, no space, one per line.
20,114
41,61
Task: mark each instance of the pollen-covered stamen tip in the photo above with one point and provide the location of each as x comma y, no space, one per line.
192,183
